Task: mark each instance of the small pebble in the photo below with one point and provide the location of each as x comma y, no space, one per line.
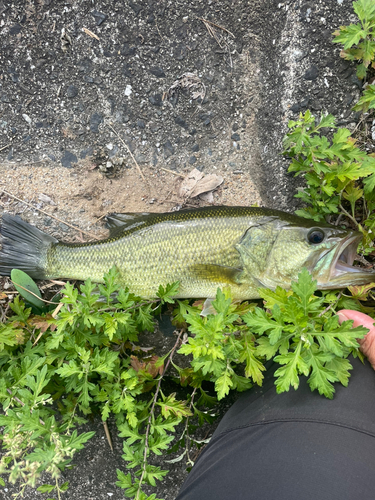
26,118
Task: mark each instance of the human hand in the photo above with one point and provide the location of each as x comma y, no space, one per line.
367,344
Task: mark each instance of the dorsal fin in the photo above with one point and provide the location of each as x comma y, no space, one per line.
115,221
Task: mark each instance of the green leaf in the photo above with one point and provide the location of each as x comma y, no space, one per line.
76,441
159,443
64,486
223,384
321,377
367,100
350,35
327,121
144,318
341,136
19,308
259,322
46,488
304,288
266,349
124,480
222,302
272,297
10,335
368,52
341,369
24,284
169,293
369,184
352,194
254,367
365,10
170,406
132,435
287,375
361,71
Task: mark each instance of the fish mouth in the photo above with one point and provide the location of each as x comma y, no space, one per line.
344,257
342,271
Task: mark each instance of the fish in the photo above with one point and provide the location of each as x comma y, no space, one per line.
245,248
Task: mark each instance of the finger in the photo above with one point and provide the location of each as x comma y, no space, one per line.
359,319
367,344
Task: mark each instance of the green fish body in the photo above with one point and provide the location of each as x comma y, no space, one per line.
205,248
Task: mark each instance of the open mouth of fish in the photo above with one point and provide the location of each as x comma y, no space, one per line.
344,257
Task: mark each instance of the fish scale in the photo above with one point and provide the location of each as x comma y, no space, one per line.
162,252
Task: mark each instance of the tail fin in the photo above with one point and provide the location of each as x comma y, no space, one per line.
23,247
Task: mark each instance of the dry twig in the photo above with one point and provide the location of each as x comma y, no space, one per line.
32,293
108,436
131,154
208,23
49,215
90,33
223,44
171,172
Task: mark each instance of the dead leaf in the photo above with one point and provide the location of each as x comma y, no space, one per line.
189,81
148,366
207,183
207,197
196,183
66,40
360,292
189,183
43,322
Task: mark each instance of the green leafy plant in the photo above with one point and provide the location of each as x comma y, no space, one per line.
89,353
298,335
367,100
359,39
335,171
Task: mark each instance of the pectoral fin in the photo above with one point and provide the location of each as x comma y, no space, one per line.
216,273
208,308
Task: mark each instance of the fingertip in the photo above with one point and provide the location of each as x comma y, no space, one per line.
359,318
342,317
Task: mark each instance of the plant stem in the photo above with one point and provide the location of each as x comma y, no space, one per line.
58,489
152,413
187,424
331,305
348,215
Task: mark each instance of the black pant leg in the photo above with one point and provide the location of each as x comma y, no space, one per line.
292,446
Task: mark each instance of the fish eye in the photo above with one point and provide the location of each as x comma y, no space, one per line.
315,236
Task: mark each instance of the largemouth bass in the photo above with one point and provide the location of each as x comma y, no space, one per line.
206,248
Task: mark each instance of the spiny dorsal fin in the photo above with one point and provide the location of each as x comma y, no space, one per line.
115,221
